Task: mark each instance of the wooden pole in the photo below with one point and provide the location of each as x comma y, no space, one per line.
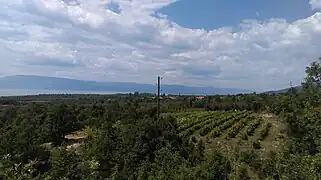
158,97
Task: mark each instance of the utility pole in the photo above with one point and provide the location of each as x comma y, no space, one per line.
158,97
291,87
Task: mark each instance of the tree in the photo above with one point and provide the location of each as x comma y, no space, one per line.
69,165
61,122
313,78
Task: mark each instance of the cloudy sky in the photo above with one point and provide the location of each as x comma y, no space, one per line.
251,44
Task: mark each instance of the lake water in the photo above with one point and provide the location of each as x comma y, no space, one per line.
22,92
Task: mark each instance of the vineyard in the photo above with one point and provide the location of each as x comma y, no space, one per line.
221,129
127,136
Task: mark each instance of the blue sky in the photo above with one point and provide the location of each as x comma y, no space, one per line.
251,44
212,14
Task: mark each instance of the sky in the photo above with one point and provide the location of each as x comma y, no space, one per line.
249,44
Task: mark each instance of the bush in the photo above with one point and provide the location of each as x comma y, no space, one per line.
256,144
193,138
239,172
244,136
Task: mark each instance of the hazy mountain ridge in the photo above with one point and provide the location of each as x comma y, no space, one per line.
54,83
298,88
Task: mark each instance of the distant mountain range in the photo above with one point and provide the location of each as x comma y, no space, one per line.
27,82
298,88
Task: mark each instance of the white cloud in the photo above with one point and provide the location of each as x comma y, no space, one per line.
83,39
315,4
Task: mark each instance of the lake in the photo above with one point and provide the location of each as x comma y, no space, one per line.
22,92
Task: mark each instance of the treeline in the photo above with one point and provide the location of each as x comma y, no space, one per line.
169,103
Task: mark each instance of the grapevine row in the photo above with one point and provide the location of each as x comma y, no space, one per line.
264,131
200,125
183,119
205,130
197,120
234,130
218,130
251,128
194,128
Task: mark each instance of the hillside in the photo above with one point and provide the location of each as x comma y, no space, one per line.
54,83
298,88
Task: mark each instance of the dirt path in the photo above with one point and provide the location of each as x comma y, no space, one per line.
276,139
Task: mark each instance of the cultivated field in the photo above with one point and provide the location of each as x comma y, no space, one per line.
225,130
234,133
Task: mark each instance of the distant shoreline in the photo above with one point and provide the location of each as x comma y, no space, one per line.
31,92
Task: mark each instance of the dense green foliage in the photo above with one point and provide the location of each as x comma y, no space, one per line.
120,136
